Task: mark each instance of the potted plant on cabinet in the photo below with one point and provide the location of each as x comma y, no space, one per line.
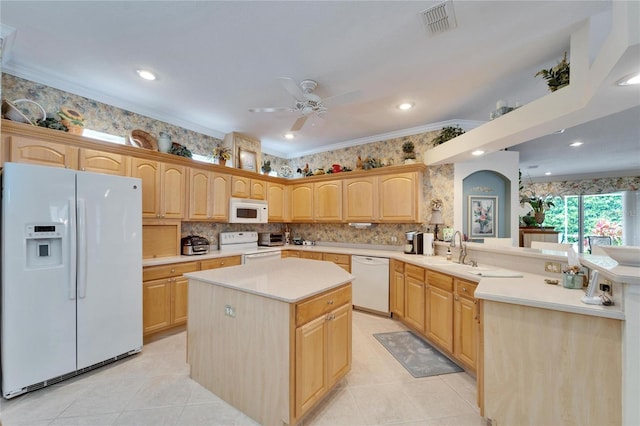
447,133
266,167
408,153
539,205
221,154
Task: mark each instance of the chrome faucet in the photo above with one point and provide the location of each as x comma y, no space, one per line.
463,247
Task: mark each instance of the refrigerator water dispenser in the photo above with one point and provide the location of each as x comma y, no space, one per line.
44,245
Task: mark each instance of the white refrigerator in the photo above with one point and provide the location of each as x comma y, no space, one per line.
71,273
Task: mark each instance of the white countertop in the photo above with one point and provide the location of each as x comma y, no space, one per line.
511,287
532,290
611,269
289,280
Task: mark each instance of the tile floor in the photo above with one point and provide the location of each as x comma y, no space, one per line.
154,388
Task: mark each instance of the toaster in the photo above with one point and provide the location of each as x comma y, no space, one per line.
193,244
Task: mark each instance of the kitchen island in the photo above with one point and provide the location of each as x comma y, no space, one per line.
271,339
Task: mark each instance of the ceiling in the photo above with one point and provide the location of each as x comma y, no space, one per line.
215,60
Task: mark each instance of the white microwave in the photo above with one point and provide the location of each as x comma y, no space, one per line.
242,210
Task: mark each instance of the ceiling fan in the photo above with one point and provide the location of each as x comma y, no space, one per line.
307,102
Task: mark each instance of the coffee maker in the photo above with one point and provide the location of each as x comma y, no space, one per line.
414,243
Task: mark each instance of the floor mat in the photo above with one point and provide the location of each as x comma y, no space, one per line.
417,356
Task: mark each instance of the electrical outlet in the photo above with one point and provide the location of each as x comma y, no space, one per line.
552,267
394,239
230,311
606,288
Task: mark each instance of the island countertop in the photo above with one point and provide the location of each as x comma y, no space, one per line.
289,280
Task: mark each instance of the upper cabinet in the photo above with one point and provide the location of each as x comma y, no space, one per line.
208,195
361,199
302,202
44,153
91,160
163,188
400,197
244,187
327,201
277,196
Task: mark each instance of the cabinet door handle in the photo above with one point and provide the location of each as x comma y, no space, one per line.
464,289
330,302
173,269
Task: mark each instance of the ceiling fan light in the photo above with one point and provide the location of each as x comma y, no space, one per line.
630,80
146,74
405,106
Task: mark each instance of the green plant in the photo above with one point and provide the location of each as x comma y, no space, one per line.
180,150
52,123
408,150
447,133
372,163
537,203
557,76
266,166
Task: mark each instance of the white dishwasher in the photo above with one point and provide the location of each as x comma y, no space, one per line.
370,289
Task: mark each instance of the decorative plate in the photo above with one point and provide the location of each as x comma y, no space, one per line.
142,139
286,172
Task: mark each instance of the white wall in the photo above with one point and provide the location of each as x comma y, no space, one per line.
503,162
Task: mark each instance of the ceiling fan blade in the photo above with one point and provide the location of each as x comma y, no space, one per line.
342,99
292,87
299,123
272,109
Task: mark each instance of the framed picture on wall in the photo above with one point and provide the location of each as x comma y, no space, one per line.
483,216
247,160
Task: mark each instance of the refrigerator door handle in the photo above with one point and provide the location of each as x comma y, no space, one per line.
72,249
82,249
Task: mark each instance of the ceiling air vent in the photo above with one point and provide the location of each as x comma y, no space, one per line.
439,18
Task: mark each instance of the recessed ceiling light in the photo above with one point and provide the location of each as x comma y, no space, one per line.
406,106
630,80
576,143
558,132
289,136
146,74
477,152
547,173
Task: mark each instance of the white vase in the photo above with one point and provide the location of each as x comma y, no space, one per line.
164,142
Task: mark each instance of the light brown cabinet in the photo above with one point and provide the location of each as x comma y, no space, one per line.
327,201
164,188
40,152
465,328
360,199
164,296
208,195
396,280
322,346
439,309
95,161
414,297
313,255
243,187
165,292
342,260
302,202
277,198
400,197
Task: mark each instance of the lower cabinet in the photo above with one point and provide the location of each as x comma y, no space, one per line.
164,296
342,260
439,309
442,308
165,292
396,284
465,323
414,297
322,346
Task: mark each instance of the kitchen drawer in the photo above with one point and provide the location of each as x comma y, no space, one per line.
290,253
414,271
442,281
397,266
337,258
319,305
464,288
220,262
315,255
166,271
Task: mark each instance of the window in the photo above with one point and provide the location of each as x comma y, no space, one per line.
582,218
